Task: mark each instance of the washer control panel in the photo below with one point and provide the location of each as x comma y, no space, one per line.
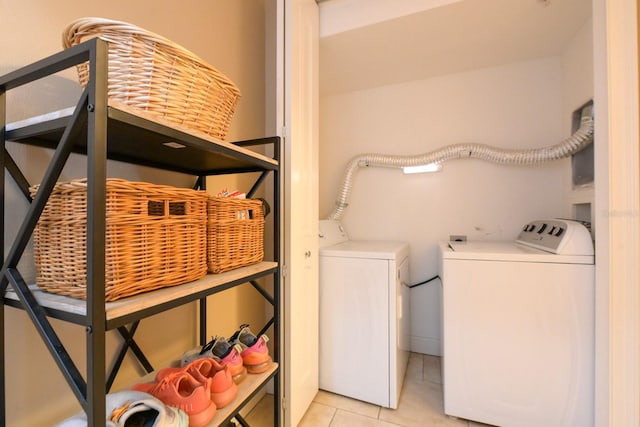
559,236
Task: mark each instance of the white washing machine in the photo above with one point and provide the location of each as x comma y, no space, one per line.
518,327
364,316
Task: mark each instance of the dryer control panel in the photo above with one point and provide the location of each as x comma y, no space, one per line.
559,236
330,233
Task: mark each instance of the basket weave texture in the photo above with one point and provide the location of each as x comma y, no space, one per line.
155,237
151,73
235,233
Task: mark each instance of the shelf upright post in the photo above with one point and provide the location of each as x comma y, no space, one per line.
202,303
276,283
96,231
3,123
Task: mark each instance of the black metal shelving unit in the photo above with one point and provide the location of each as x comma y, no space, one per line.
102,132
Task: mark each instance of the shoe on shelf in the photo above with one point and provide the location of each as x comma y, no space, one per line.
255,353
224,353
182,391
208,371
134,408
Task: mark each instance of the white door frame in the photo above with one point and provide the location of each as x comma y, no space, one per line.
297,115
617,213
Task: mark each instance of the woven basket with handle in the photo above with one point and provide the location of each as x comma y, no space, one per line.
235,233
153,74
155,237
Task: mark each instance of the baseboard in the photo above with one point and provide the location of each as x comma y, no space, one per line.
425,345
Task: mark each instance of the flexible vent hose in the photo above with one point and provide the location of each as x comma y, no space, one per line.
576,142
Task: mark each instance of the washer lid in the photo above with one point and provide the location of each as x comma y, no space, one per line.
372,249
506,251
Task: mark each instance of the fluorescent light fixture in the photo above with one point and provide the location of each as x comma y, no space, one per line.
431,167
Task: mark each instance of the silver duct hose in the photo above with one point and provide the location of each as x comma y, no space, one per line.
576,142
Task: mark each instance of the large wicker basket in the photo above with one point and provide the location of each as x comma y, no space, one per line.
235,233
155,237
153,74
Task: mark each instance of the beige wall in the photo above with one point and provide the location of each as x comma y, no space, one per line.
518,105
226,33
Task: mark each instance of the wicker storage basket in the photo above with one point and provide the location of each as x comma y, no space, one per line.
155,237
235,233
151,73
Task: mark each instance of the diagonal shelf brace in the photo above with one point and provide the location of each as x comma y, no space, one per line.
263,292
17,175
58,161
128,334
48,335
128,344
266,327
241,420
257,184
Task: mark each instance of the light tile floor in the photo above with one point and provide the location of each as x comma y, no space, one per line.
421,404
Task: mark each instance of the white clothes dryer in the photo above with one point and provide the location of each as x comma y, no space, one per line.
518,327
364,316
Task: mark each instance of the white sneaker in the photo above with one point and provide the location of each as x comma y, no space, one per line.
129,408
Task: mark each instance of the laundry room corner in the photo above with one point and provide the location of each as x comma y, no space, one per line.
510,100
494,106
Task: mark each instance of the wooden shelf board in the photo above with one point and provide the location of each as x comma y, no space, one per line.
148,300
